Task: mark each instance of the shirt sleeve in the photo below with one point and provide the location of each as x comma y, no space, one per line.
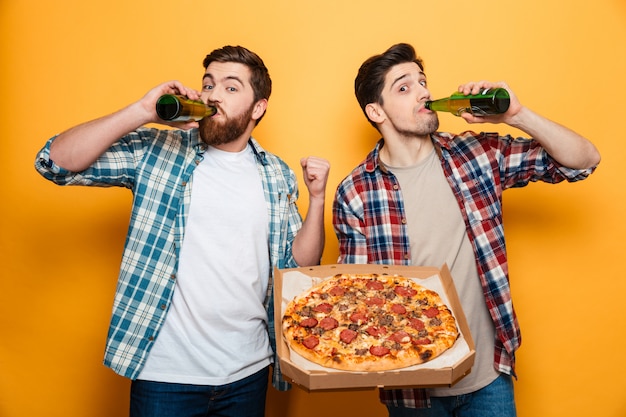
348,224
524,161
116,167
295,219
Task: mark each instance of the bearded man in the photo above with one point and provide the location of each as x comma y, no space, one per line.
213,214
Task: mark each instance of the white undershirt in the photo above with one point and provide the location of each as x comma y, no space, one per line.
436,235
216,329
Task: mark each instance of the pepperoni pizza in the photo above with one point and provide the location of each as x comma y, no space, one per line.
369,322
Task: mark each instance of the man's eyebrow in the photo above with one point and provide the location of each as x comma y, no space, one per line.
230,77
402,77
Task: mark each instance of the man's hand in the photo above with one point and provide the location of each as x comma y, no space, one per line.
475,88
148,102
308,244
315,172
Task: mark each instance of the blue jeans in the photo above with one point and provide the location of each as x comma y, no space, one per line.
245,397
494,400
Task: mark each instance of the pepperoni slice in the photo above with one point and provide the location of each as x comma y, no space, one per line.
308,322
376,331
323,308
375,301
398,309
329,323
347,335
404,291
310,342
374,285
431,312
379,350
417,324
423,341
358,318
337,291
400,337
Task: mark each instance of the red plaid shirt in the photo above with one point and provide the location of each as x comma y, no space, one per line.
369,220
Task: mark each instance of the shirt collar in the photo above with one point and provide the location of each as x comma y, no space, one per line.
258,150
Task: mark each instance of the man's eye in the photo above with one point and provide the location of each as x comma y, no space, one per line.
232,89
403,88
207,87
423,83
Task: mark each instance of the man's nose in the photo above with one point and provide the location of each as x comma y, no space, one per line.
210,96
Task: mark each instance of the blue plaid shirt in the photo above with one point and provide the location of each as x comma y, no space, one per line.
157,165
369,220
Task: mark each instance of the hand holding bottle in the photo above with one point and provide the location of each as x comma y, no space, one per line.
471,88
170,89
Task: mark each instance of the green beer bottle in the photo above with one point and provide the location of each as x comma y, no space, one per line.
487,102
177,108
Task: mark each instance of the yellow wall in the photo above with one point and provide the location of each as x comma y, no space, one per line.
67,61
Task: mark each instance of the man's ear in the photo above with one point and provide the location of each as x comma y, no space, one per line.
375,112
259,109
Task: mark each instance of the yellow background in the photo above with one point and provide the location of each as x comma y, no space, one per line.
67,61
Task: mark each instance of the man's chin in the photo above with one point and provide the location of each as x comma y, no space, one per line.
223,130
218,133
432,124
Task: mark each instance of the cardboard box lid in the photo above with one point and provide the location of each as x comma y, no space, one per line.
319,378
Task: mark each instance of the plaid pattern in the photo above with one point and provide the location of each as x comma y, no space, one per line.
157,165
368,217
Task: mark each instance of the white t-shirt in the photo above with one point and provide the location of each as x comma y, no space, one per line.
437,235
216,330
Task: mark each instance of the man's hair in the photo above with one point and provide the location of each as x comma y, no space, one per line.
370,80
259,75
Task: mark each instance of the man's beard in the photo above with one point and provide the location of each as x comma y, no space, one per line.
425,128
212,132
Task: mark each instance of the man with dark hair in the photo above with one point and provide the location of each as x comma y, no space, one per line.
213,214
423,197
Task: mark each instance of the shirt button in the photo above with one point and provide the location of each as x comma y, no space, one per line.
163,306
403,221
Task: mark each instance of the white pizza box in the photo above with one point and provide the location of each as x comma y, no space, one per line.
445,370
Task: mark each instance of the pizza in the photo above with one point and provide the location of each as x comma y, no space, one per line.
368,322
